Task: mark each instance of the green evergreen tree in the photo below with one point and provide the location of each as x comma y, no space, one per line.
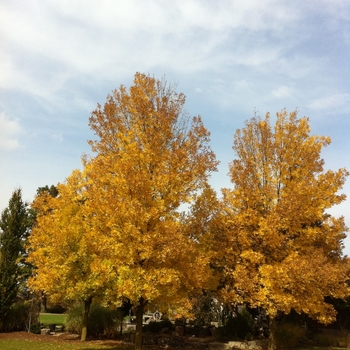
52,190
15,224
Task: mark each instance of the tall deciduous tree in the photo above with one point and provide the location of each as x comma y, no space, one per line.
64,249
281,250
151,158
15,225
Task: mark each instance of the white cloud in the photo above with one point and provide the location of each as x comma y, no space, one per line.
332,103
282,92
98,39
9,132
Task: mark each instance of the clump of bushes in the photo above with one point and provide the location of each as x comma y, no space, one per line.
17,318
289,334
102,321
238,326
156,327
56,309
340,338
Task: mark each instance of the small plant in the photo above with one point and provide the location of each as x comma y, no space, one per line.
35,328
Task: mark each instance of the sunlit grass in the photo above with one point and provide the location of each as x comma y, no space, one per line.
58,319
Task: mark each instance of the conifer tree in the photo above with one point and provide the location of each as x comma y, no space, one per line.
15,224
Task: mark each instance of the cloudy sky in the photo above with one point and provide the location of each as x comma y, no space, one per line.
230,57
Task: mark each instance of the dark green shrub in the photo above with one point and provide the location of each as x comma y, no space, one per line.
324,339
244,324
288,334
156,327
102,321
56,309
237,326
220,333
339,339
35,328
17,318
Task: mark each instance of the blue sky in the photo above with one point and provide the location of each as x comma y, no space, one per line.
60,58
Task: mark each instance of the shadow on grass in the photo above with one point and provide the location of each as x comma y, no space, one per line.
17,344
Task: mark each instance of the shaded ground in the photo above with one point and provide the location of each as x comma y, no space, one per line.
61,338
65,338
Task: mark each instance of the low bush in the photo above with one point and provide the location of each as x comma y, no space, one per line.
18,317
341,339
288,334
238,326
74,320
156,327
102,321
56,309
35,328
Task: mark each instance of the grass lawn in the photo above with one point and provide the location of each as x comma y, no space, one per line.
319,348
58,319
15,344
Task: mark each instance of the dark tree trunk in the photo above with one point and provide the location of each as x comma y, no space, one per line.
44,302
139,319
272,331
87,304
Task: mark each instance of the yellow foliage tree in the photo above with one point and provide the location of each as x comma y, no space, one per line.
152,157
280,249
70,265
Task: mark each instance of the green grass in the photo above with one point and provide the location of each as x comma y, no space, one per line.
58,319
14,344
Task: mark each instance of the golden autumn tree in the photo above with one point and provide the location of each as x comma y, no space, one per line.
151,157
70,264
279,248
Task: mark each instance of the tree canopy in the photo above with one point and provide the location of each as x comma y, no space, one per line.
281,249
150,158
65,250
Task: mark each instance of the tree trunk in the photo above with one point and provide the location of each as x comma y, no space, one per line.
139,319
272,330
87,304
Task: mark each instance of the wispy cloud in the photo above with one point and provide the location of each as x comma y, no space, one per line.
9,133
283,92
332,104
59,58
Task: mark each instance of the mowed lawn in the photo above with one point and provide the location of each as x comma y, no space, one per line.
58,319
15,344
28,341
